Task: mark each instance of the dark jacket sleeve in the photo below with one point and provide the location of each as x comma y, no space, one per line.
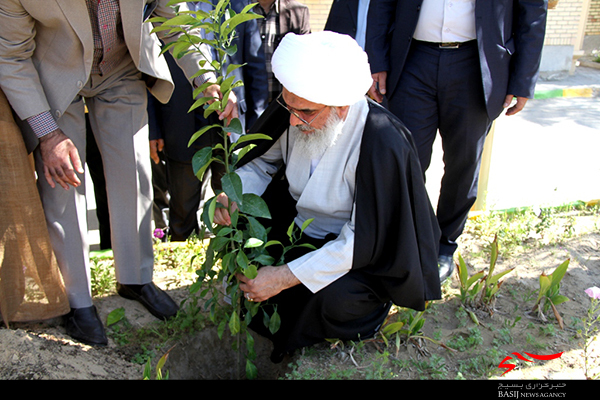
380,23
253,73
529,31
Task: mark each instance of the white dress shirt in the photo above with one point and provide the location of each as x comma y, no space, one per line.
327,195
446,21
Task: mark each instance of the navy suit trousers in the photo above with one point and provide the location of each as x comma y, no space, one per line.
441,90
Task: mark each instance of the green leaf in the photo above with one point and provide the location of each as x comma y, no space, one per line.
226,84
232,186
496,277
392,328
253,242
559,273
199,103
228,262
264,259
115,316
545,283
201,161
306,223
232,67
473,279
256,229
462,271
251,370
290,230
559,299
274,322
242,260
248,137
254,205
234,323
235,126
200,132
147,375
250,271
208,212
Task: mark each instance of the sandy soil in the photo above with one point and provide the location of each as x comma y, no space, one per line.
42,351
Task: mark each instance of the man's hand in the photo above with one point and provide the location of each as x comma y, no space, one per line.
378,88
156,145
519,105
231,109
61,160
222,216
269,282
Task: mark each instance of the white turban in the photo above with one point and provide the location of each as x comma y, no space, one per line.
323,67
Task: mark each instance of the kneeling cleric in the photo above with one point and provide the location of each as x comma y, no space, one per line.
350,165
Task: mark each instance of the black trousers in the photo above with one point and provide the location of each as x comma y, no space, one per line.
351,308
441,90
187,194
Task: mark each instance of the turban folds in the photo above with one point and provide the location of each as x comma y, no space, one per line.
323,67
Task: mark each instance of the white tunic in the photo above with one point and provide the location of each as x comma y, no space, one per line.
327,195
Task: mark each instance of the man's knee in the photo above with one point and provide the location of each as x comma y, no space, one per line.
348,299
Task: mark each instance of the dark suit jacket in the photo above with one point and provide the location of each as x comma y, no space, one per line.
293,17
175,125
342,17
510,36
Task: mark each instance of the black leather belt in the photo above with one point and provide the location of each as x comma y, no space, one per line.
445,45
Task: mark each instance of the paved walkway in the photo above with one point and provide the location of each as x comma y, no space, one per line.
547,155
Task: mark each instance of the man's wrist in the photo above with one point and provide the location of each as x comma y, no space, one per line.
204,78
42,124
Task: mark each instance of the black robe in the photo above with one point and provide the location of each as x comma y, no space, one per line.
396,231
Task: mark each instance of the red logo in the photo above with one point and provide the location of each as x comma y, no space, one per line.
509,367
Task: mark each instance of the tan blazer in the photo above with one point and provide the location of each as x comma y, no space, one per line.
46,50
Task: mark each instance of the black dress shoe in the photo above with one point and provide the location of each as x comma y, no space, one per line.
446,267
150,296
84,325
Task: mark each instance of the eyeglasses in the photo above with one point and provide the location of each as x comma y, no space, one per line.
296,113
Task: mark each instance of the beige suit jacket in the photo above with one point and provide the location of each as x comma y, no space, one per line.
46,51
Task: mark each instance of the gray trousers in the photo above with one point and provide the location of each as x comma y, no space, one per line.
117,110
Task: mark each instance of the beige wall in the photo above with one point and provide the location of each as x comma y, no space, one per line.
593,20
563,26
319,10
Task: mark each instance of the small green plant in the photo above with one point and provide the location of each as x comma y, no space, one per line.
548,294
464,342
408,327
470,286
159,366
481,289
242,246
102,275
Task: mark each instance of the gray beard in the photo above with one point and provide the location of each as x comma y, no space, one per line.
313,145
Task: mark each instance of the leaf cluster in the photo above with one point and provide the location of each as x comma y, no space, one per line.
243,246
480,289
548,294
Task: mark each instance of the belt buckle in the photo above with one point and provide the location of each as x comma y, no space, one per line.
450,45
